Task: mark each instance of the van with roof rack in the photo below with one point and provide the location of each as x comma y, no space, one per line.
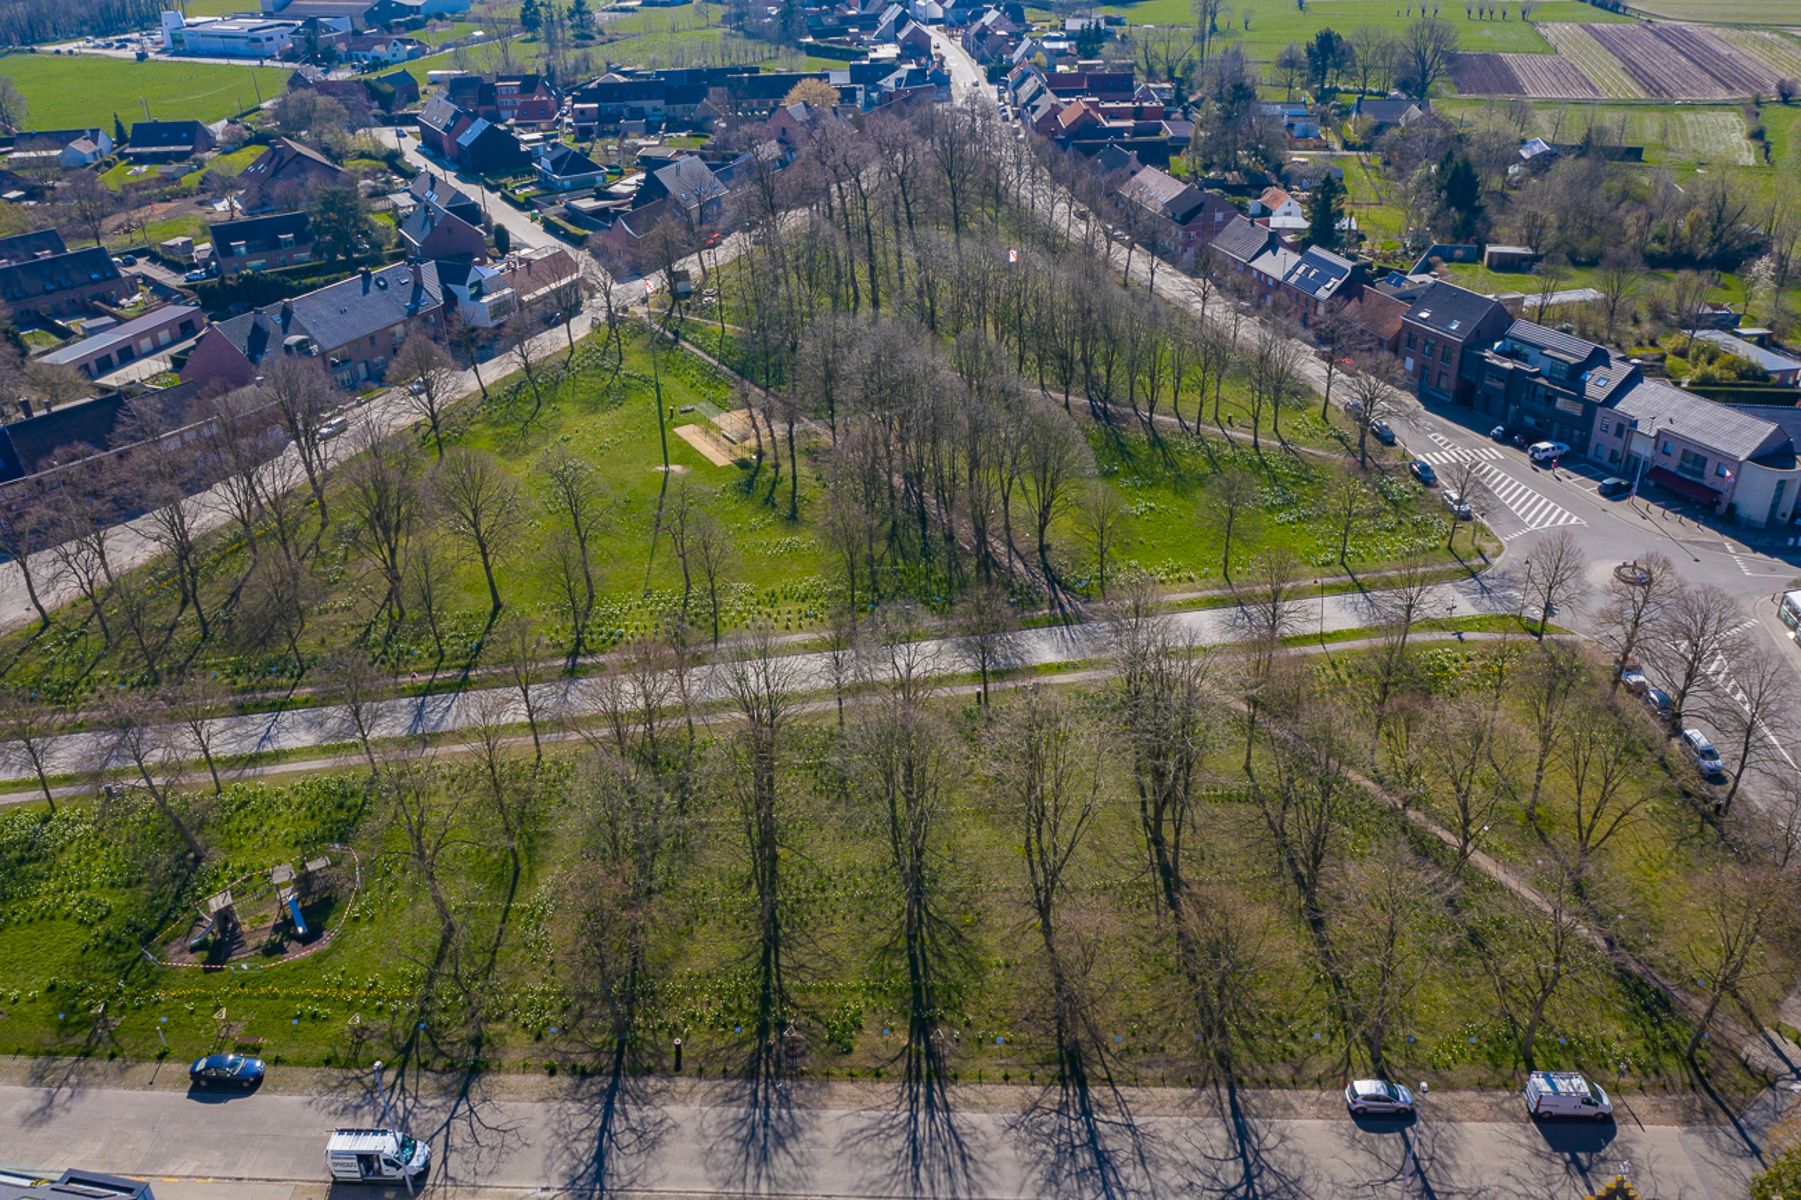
375,1156
1566,1094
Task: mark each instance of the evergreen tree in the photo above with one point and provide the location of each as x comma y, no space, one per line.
1460,190
530,16
118,131
1327,209
581,19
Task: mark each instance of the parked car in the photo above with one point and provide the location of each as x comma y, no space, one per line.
1565,1094
1633,679
1611,487
713,239
1455,505
1543,452
1354,410
1378,1096
1498,433
1701,752
130,260
332,428
1659,702
1422,471
233,1070
195,276
1383,433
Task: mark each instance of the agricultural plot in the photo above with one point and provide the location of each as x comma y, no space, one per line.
1578,45
1539,76
1781,52
1751,12
1683,63
1740,73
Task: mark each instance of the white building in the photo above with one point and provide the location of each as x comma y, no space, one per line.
227,37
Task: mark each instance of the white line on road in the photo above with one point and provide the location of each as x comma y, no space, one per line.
1534,510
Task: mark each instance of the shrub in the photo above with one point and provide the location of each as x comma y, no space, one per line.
1781,1180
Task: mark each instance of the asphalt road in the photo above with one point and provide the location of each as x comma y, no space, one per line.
250,1146
525,232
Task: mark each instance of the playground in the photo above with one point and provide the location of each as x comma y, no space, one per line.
284,912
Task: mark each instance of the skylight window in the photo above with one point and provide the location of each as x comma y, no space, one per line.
1455,325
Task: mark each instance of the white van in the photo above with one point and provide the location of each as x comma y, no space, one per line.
375,1156
1565,1094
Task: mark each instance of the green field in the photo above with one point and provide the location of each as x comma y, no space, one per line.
1672,134
84,90
1730,12
1274,25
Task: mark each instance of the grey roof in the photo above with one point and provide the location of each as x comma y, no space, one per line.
262,233
690,181
439,113
1563,345
565,160
1449,309
35,277
158,135
154,319
1239,238
424,218
1719,427
21,246
339,314
1769,360
1320,273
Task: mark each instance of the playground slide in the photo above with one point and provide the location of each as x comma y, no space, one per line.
299,921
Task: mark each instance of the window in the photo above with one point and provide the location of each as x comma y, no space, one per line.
1692,464
1605,427
1722,472
1668,447
1410,339
1444,353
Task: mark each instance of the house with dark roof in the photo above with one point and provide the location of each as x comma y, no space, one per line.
127,342
1443,337
37,244
526,100
62,285
441,123
429,187
762,94
487,149
1319,282
286,175
1549,385
1183,218
1255,259
355,326
1781,368
688,184
262,243
65,148
1381,113
563,168
429,232
168,141
1738,460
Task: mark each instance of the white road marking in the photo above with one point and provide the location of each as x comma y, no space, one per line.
1535,511
1457,454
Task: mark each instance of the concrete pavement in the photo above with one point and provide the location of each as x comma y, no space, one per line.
328,725
702,1139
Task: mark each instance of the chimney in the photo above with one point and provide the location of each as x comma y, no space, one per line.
418,276
364,275
287,314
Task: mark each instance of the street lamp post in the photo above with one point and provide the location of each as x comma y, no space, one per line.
1638,473
381,1095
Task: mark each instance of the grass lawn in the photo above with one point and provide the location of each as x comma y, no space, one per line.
83,90
1672,134
81,893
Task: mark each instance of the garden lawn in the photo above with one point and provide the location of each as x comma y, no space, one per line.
89,90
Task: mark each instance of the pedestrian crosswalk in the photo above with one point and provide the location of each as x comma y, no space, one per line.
1461,454
1535,511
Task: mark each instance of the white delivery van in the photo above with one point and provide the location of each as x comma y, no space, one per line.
375,1156
1565,1094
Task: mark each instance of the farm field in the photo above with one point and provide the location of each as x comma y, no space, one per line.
1275,25
1538,76
1671,134
1741,12
84,90
1779,50
1684,62
1578,45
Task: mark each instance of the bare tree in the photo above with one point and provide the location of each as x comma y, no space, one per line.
520,649
1372,387
381,490
1462,748
1103,512
1700,627
358,687
302,395
1380,948
1755,710
133,721
1737,908
1600,753
711,548
26,529
30,727
1543,960
482,506
1633,608
429,379
194,707
1235,493
1556,575
574,493
428,584
984,618
1550,684
1427,48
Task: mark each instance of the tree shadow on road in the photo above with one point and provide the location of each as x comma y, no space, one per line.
1251,1164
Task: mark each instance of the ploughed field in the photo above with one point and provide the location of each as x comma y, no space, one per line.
1634,62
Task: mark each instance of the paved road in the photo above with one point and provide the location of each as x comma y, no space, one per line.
698,1146
525,232
317,727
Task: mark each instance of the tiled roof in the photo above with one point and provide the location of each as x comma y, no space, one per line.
339,314
1562,344
262,233
21,246
1452,310
1242,240
37,277
1769,360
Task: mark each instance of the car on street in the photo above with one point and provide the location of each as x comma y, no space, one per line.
1611,487
1378,1096
1354,410
1422,471
1659,702
1456,506
1633,680
1383,433
1565,1094
713,239
333,428
1498,433
227,1070
1702,753
1546,452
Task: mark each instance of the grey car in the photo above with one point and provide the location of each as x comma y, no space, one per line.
1375,1096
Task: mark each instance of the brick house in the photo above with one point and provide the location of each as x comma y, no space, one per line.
262,243
1443,336
52,284
286,175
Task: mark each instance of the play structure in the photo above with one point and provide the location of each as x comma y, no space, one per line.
283,912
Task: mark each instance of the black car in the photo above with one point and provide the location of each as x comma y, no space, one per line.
1422,471
1382,432
1612,486
233,1070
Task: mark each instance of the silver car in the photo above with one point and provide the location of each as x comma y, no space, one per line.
1378,1096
